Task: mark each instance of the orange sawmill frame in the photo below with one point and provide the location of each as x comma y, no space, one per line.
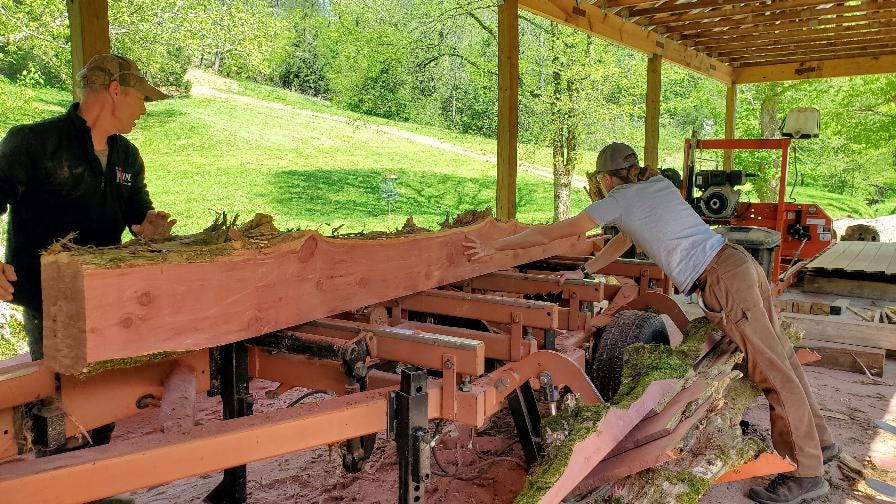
183,450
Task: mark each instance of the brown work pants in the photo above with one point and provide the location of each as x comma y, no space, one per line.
737,298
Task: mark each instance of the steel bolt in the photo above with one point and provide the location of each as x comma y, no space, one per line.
465,385
449,364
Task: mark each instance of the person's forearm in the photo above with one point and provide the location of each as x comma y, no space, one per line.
542,235
611,251
532,237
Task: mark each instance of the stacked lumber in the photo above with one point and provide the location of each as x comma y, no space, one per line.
660,442
187,294
850,334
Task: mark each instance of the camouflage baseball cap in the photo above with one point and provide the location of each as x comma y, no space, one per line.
616,156
103,69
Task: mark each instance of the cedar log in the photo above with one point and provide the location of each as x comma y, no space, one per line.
94,313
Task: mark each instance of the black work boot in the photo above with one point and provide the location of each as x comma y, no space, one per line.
831,452
785,489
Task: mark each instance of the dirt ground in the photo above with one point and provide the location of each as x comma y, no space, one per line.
853,402
490,467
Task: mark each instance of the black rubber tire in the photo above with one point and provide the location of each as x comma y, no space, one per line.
627,328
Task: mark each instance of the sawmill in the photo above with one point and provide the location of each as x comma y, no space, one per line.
616,389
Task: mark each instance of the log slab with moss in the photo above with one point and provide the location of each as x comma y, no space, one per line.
707,442
697,412
176,296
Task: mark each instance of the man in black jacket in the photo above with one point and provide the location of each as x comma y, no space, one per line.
75,173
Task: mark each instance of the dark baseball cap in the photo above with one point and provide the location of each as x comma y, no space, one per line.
103,69
616,156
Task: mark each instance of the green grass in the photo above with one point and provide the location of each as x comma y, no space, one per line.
535,154
205,154
837,206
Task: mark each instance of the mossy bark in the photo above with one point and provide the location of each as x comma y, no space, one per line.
562,432
713,446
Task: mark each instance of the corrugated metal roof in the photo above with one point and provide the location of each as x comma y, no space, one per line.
859,257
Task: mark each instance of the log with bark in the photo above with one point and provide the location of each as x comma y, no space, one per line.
232,282
692,437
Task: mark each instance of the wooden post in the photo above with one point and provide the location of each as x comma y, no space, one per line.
652,118
730,113
508,107
89,28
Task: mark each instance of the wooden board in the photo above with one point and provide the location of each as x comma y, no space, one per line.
857,256
867,334
841,287
93,314
846,357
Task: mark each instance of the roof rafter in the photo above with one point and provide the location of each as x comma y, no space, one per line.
775,52
785,26
738,12
816,55
806,16
612,4
832,42
591,19
869,30
667,8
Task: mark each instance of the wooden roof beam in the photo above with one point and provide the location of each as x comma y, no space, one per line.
590,19
839,66
869,30
786,45
615,4
844,21
801,6
672,8
804,56
804,15
843,46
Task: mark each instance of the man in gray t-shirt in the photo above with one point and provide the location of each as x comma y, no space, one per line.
659,221
734,293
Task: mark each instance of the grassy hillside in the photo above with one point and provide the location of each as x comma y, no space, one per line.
212,153
229,151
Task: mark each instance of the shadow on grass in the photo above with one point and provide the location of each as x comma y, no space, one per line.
347,194
61,101
158,118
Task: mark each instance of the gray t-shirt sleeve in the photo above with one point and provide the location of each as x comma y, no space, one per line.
606,212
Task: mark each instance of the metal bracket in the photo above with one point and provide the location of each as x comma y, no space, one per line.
408,422
550,339
527,419
233,379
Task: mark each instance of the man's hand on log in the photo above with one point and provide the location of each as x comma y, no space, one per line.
478,249
156,225
9,275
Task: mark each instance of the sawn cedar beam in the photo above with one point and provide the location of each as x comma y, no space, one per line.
93,313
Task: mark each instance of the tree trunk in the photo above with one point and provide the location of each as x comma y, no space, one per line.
766,185
564,140
216,66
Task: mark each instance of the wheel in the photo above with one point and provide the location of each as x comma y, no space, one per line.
627,328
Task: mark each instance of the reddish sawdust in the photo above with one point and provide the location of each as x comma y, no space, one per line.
316,476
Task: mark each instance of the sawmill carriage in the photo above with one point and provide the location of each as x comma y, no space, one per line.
432,337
